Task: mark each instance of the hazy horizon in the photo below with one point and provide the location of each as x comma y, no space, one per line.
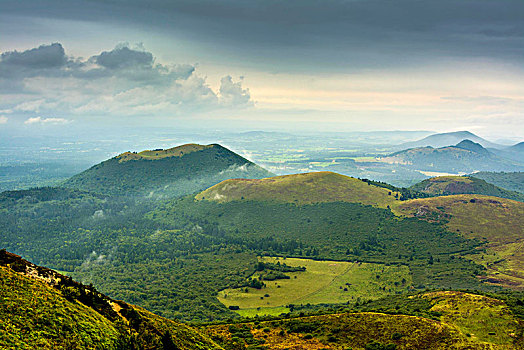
263,65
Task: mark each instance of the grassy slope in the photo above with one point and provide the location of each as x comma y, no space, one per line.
304,188
449,185
322,282
43,309
35,315
484,319
461,321
498,221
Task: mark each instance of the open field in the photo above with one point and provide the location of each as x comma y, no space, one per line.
322,282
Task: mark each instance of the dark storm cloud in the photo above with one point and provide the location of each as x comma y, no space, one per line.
124,57
42,57
45,60
360,32
122,62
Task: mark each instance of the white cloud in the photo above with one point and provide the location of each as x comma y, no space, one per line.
3,119
124,81
46,121
232,93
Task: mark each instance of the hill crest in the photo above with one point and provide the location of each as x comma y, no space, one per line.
472,146
177,151
305,188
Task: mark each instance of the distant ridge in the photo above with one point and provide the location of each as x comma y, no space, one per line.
465,157
513,181
518,147
515,152
448,138
166,173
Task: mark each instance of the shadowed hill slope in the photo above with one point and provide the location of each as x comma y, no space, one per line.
165,173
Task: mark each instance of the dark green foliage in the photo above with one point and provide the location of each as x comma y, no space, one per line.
513,181
366,233
405,193
301,326
272,272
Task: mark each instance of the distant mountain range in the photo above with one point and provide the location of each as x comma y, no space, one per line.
165,173
464,157
515,152
448,138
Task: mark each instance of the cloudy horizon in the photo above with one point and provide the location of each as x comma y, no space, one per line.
294,65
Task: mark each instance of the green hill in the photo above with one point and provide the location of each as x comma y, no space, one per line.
449,185
307,188
42,309
513,181
165,173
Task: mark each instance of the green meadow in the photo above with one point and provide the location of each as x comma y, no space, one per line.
321,282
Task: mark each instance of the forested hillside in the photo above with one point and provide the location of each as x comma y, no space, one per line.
512,181
165,173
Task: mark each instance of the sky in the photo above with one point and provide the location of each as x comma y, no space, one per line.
326,65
